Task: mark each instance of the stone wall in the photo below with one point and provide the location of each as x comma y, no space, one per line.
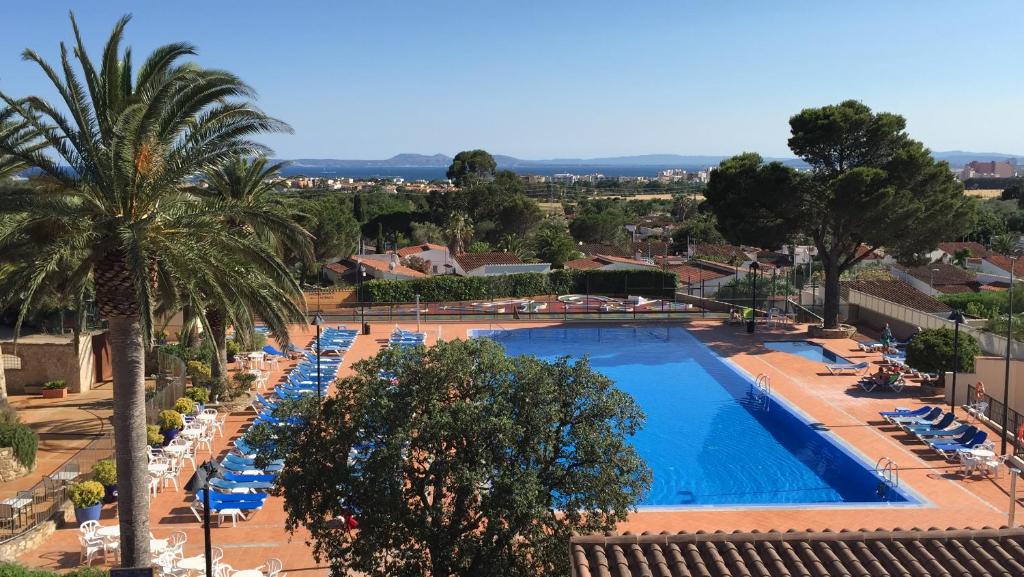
48,357
27,541
10,467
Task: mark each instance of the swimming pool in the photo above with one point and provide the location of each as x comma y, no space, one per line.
706,440
806,349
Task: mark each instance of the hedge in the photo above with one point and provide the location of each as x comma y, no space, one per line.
22,439
15,570
563,281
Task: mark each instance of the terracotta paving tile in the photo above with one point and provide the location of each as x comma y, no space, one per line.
834,401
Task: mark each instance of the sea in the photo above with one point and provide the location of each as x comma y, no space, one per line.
410,173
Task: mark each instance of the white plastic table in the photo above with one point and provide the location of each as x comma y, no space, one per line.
197,563
158,468
176,450
114,532
248,573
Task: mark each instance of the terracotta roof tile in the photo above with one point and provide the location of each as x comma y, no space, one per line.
592,248
338,267
418,248
913,553
584,264
381,265
898,292
946,278
474,260
720,251
692,274
1003,262
977,249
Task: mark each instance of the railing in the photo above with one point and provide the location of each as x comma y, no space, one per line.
30,508
803,314
585,307
993,410
170,386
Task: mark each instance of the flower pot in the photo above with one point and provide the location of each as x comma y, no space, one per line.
231,358
170,435
109,494
88,513
55,393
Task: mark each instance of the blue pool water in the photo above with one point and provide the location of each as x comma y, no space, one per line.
806,349
705,439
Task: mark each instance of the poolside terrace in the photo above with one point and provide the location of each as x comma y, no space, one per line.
835,402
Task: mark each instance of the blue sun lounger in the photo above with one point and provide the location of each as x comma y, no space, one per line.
931,416
947,450
939,425
848,368
906,412
946,433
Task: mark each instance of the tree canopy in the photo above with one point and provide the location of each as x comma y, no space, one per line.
470,166
462,461
870,184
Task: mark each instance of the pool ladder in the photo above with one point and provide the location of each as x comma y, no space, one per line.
761,391
889,471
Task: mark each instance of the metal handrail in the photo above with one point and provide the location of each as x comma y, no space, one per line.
993,412
888,470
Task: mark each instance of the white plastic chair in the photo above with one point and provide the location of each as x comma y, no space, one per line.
968,462
92,547
272,568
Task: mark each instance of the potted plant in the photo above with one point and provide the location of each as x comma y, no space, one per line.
200,395
185,406
104,472
198,371
87,499
154,438
55,389
171,423
233,349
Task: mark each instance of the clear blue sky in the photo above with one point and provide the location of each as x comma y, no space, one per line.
575,78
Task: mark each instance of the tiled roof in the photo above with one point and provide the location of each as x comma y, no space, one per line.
338,267
406,251
722,251
977,249
592,248
384,266
584,264
944,277
691,274
474,260
649,248
608,259
899,292
914,553
1003,262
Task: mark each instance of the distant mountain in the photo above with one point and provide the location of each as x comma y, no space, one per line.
959,158
396,161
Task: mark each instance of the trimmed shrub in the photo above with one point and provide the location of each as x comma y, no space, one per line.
199,395
104,472
232,347
170,420
15,570
931,351
647,282
85,494
153,436
51,385
185,406
22,439
198,371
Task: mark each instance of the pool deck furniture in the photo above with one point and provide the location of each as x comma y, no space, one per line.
848,368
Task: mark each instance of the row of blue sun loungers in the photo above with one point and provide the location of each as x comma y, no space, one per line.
402,338
241,487
938,430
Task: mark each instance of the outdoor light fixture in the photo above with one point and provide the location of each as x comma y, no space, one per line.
362,300
754,267
957,317
318,321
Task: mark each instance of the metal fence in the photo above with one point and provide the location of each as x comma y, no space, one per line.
45,499
170,386
994,411
580,307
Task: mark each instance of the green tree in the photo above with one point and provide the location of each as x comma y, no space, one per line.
357,208
961,256
603,226
423,232
335,231
1004,243
931,351
700,228
111,212
256,213
553,244
460,232
470,166
1014,192
477,464
380,239
869,184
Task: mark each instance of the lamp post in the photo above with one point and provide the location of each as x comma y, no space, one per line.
200,481
957,317
318,321
362,300
754,267
931,284
1006,375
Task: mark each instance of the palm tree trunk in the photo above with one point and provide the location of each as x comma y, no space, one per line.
215,317
127,360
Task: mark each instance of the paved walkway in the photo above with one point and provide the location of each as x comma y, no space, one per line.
64,426
834,401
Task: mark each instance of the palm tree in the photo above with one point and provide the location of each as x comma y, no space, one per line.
113,213
262,215
460,232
